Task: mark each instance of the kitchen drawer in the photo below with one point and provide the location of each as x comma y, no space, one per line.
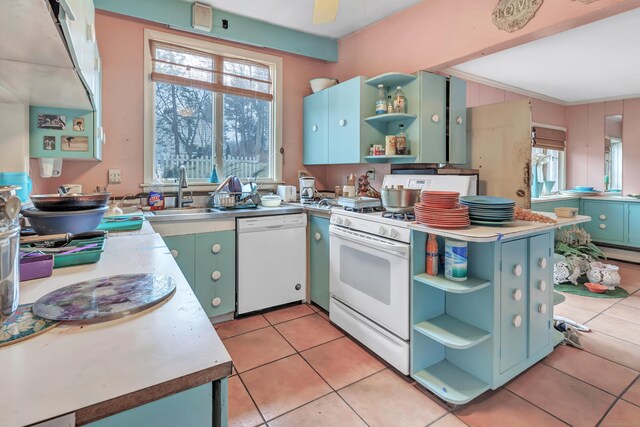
215,272
607,220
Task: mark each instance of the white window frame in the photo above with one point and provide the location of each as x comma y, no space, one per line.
562,156
219,49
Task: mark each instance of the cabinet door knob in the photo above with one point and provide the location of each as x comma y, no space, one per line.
314,128
435,118
216,275
542,308
216,248
542,263
542,285
174,253
459,120
602,226
517,321
318,236
517,295
517,270
342,123
602,217
216,302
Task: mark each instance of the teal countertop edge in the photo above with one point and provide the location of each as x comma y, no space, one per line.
177,14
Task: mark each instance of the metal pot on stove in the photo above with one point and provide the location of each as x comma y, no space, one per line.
400,199
9,251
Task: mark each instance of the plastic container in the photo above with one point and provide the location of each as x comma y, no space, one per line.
35,267
455,260
89,256
271,200
155,199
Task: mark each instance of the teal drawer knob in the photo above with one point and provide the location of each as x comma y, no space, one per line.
602,226
216,248
542,263
517,270
517,321
517,295
342,123
216,302
435,118
318,236
174,253
216,275
314,128
542,285
542,308
459,120
602,217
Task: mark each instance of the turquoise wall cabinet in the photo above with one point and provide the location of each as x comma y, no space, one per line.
207,261
319,260
472,336
333,125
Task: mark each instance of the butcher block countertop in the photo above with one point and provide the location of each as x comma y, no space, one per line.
99,369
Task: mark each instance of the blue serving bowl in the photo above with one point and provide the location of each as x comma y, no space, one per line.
583,188
47,222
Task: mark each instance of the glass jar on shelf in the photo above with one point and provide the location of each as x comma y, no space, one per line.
399,101
401,141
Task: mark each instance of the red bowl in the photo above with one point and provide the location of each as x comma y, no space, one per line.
596,288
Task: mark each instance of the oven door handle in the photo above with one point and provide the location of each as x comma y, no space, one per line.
400,250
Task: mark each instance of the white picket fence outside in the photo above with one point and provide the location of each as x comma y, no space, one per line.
201,167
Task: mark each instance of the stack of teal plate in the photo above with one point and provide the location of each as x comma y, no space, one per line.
489,210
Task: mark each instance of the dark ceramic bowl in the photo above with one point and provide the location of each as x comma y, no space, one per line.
45,223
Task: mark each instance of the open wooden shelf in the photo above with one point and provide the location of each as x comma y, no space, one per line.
472,284
390,117
451,383
391,79
451,332
390,159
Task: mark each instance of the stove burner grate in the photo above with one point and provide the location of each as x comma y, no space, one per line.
362,210
407,216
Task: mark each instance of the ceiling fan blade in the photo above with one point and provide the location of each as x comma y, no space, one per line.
325,11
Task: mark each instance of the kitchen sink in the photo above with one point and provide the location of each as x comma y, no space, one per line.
182,211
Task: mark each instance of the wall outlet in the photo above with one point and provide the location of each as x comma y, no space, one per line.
115,176
372,174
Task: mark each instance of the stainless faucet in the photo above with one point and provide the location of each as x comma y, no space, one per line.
182,183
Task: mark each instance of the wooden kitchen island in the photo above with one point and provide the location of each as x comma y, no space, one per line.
164,366
472,336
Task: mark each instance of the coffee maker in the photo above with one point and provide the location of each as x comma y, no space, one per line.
307,189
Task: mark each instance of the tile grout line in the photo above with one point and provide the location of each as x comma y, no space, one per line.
583,381
264,421
531,403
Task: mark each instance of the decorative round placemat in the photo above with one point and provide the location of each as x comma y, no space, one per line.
582,290
105,298
22,325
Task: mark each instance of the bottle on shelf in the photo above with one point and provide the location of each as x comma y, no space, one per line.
399,101
381,102
401,140
432,256
389,104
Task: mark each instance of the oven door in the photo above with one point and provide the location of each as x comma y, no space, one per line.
370,275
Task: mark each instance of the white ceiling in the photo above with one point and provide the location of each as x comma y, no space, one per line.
597,61
297,14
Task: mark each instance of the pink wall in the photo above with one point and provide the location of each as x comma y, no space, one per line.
435,34
585,143
121,41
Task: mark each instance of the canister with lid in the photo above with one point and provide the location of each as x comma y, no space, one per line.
455,260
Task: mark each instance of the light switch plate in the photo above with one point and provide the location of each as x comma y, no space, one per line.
115,176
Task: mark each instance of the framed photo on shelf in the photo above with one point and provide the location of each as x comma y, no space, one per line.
74,143
78,124
49,143
52,121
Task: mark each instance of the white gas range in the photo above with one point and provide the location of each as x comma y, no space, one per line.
370,259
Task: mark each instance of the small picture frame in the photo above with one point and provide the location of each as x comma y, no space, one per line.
74,143
52,121
49,143
78,124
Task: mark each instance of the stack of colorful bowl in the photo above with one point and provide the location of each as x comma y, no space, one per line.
440,209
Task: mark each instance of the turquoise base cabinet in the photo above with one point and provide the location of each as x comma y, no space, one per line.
202,406
613,222
469,337
319,260
207,261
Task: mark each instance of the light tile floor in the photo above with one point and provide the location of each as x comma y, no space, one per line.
292,367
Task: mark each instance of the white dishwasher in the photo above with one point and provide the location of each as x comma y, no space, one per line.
272,261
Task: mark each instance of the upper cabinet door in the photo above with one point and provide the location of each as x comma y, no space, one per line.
457,121
345,120
433,95
316,135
